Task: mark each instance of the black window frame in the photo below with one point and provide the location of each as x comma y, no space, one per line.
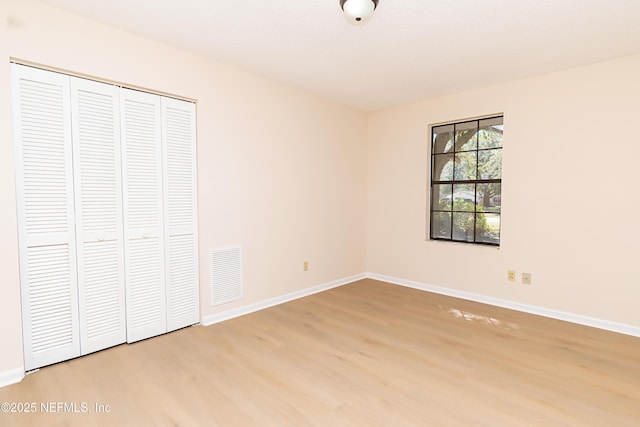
455,180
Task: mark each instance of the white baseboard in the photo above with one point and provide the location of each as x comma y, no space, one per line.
246,309
532,309
11,377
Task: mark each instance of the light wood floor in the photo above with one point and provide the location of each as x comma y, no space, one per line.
365,354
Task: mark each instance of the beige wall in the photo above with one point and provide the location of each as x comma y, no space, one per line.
570,193
280,172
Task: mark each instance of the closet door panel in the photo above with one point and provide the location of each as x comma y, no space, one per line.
45,213
182,282
146,295
179,137
143,215
98,200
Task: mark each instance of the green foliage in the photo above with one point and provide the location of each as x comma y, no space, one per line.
481,221
464,223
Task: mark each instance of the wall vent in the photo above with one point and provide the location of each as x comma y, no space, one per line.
225,266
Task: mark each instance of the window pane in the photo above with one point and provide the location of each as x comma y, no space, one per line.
442,139
464,197
441,225
490,134
441,197
490,164
465,167
463,226
443,167
489,197
488,228
466,136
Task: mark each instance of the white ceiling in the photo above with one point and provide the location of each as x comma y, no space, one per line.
410,50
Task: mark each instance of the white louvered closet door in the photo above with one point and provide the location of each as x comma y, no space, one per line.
143,214
98,200
181,244
45,216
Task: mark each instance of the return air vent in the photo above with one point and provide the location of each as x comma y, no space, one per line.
226,274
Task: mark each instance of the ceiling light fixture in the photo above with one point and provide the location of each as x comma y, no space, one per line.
358,11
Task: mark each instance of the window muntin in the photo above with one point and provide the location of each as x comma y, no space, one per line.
466,181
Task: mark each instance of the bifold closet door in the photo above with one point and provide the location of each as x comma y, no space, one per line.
98,205
181,245
46,220
107,218
143,214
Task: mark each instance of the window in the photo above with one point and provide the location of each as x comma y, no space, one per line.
466,181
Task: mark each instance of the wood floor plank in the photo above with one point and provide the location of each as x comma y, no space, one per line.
364,354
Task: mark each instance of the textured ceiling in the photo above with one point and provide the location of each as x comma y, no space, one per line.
410,50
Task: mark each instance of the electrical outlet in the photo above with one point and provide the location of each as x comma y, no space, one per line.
306,266
511,275
526,278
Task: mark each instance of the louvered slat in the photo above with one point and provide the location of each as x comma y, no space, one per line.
146,295
51,298
45,148
143,215
142,150
182,307
103,304
179,145
45,216
178,136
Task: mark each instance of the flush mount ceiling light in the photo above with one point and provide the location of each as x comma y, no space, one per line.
358,11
